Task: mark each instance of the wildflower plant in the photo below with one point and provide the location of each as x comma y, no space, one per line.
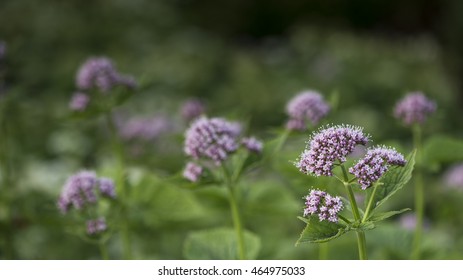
100,88
84,196
413,111
380,174
219,153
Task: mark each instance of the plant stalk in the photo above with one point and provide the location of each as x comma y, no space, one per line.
120,181
361,241
419,194
235,214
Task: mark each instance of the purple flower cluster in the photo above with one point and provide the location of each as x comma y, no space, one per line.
100,73
192,109
192,172
82,189
212,139
375,163
306,106
252,144
327,146
414,108
454,176
326,206
79,101
96,226
144,128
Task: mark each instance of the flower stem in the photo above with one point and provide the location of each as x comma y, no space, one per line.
7,184
281,141
370,202
235,213
103,250
323,251
120,182
419,194
361,241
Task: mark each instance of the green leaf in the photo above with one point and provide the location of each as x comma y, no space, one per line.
382,216
219,244
393,181
318,231
442,149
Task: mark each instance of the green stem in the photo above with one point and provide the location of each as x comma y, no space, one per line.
7,184
419,194
120,182
103,250
282,140
370,202
323,251
361,241
235,214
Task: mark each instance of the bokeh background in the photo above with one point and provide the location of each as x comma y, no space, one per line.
244,60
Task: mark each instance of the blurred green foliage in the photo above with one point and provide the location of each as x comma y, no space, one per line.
250,80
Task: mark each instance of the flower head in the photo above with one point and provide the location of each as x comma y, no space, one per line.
192,109
306,106
454,176
327,146
414,108
79,101
192,171
326,206
100,73
96,226
375,163
144,128
107,187
82,189
212,139
252,144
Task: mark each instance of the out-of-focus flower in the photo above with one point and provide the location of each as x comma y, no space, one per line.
107,187
100,73
306,106
213,139
375,163
192,171
453,177
326,206
414,108
192,109
84,188
252,144
79,101
96,226
329,145
408,221
144,128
